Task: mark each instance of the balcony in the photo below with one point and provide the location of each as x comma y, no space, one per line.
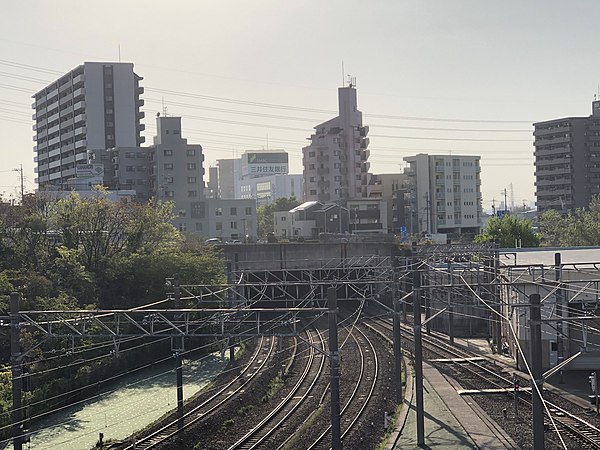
81,143
78,92
81,156
54,164
78,79
79,118
79,105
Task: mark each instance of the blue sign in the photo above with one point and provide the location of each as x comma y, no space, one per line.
403,234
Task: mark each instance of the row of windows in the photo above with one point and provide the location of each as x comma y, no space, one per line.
232,211
188,152
190,194
190,166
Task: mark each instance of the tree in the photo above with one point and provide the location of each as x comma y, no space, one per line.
265,213
508,231
579,228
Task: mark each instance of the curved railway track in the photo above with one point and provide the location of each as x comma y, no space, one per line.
469,370
361,394
262,434
259,359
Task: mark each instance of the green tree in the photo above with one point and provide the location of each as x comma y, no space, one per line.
265,213
579,228
507,231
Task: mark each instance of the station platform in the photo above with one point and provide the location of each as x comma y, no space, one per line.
448,416
453,421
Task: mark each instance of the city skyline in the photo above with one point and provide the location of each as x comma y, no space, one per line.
431,77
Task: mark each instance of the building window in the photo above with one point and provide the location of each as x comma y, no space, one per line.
182,227
169,180
218,211
219,226
337,178
175,131
248,210
233,225
198,226
313,192
168,152
192,194
283,219
168,166
169,194
311,180
336,165
311,154
191,166
233,211
311,167
191,179
129,169
191,152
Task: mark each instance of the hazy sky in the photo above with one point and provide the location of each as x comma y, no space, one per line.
439,76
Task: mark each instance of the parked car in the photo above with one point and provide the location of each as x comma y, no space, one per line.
213,241
233,241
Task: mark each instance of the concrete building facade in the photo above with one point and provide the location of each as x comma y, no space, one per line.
567,161
336,166
94,106
444,194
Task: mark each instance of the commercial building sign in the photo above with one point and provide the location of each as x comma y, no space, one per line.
89,170
265,163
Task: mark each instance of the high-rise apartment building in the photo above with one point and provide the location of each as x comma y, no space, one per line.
335,163
567,161
444,194
95,106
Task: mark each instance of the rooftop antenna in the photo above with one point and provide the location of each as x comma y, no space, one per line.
164,108
351,81
343,73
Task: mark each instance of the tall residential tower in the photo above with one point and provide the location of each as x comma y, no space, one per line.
335,162
567,161
95,106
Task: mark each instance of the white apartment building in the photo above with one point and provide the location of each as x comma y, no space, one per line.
444,194
94,106
335,162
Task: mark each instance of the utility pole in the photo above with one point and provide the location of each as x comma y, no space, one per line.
334,370
397,343
418,351
559,312
450,306
16,372
20,169
178,347
537,383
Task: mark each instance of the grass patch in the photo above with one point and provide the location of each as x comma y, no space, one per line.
245,410
274,386
305,426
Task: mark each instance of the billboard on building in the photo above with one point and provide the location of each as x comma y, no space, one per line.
89,170
265,163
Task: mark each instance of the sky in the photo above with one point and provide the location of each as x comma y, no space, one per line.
433,76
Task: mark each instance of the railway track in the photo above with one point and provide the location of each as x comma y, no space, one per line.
471,371
361,394
262,435
165,433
